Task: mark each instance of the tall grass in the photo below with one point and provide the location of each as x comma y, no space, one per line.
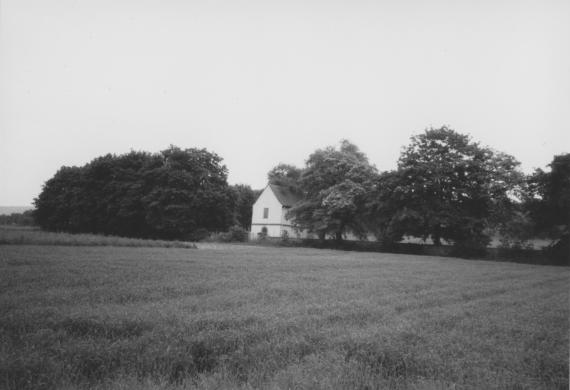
244,317
33,236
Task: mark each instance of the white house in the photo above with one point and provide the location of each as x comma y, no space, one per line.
269,212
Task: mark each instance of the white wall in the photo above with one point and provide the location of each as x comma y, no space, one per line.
273,222
276,221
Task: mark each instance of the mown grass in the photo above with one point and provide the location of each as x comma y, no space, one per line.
229,316
10,235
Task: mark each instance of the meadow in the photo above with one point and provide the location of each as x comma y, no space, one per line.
27,235
235,316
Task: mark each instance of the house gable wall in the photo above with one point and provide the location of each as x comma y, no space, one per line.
274,219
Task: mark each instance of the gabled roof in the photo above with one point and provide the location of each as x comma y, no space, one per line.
285,195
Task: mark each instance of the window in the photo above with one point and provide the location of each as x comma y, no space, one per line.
265,213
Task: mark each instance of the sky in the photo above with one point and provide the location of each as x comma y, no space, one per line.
264,82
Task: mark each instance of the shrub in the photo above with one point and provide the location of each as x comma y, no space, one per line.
234,234
238,234
517,231
198,235
19,219
559,252
262,235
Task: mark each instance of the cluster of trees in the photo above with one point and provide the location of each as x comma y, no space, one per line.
25,218
445,187
173,194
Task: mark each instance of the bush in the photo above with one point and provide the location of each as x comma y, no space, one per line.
559,252
235,234
262,235
517,231
198,235
19,219
238,234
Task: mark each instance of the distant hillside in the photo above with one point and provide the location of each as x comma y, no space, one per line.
7,210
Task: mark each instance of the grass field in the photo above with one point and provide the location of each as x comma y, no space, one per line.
26,235
228,316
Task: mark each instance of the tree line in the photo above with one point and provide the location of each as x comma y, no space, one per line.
446,187
173,194
25,218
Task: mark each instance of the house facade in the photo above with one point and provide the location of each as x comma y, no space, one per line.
269,212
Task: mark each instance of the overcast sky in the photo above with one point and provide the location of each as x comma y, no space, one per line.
263,82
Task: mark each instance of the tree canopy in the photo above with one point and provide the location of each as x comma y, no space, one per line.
334,183
285,175
25,218
445,187
172,194
549,197
244,198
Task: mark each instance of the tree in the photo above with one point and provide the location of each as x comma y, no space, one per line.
172,194
558,189
190,193
285,175
548,198
244,199
334,183
58,204
548,203
385,208
448,187
25,218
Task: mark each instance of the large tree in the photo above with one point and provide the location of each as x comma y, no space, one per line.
386,208
549,197
58,205
334,183
172,194
447,187
244,198
190,193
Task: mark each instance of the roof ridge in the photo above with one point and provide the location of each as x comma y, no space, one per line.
285,194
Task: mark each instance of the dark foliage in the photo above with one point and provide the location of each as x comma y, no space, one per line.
234,234
174,194
244,199
285,175
559,251
548,200
446,187
553,255
334,184
20,219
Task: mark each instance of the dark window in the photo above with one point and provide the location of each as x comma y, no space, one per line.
265,213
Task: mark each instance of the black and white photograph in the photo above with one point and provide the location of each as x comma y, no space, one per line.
284,195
